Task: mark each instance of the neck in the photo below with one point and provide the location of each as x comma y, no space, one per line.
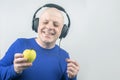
45,45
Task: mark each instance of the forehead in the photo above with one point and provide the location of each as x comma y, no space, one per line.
53,13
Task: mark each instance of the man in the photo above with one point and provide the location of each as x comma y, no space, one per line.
51,63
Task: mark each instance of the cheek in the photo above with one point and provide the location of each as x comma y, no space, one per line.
59,31
39,28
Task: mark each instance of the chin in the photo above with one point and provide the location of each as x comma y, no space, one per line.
49,41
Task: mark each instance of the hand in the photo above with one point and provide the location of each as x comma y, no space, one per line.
72,68
20,63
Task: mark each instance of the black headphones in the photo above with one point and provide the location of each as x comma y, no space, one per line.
35,21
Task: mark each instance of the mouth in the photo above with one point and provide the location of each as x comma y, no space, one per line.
48,32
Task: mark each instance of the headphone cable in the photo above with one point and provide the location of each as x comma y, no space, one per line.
60,41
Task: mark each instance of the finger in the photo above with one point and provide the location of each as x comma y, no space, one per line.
70,74
72,61
70,69
20,60
74,67
18,55
71,65
23,65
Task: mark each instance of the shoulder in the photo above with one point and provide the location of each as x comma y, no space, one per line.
23,40
20,43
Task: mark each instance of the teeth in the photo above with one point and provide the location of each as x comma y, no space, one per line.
51,32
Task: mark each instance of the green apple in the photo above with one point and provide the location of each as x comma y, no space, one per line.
30,54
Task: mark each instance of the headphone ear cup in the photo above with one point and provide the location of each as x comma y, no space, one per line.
64,31
35,24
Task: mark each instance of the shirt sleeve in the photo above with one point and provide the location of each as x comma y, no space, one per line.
8,73
6,63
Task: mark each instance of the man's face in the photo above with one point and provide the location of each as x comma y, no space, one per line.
50,25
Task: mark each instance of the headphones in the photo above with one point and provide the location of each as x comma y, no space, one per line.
65,29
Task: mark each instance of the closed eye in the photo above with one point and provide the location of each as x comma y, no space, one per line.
45,22
56,24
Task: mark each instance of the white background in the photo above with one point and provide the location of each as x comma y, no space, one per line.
93,39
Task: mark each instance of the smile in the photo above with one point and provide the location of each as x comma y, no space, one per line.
48,32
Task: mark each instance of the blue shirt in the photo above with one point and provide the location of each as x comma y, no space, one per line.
49,64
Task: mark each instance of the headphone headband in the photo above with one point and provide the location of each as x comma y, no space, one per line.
55,6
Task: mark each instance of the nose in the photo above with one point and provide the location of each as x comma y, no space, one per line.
50,25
